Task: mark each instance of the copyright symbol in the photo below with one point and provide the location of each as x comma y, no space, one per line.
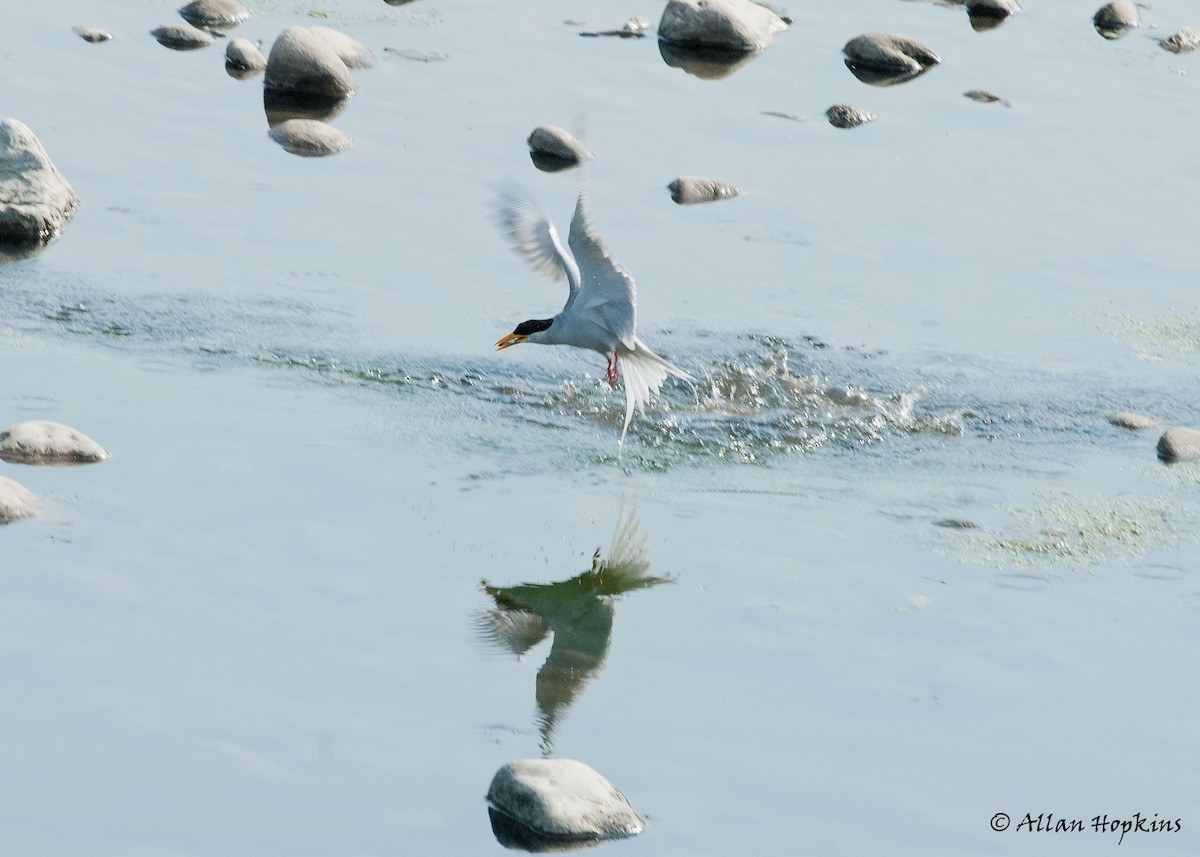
1000,821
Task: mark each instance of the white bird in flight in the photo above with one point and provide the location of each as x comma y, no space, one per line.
601,308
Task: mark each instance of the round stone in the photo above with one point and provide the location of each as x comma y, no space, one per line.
46,442
562,799
689,190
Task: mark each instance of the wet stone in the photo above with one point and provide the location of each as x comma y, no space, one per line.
310,138
554,142
46,442
16,501
1179,444
956,524
244,56
350,51
217,15
303,64
734,24
985,97
35,200
634,28
992,8
1130,420
890,52
181,37
689,190
92,34
846,116
1115,19
562,799
1187,39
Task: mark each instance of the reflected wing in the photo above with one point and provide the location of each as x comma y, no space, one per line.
628,554
606,288
535,238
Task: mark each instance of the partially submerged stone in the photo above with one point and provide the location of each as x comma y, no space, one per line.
35,200
1115,19
985,97
303,64
555,143
92,34
47,442
1130,420
989,14
1187,39
562,799
890,52
634,28
219,16
182,37
1179,444
688,190
848,116
350,51
16,501
734,24
244,57
310,138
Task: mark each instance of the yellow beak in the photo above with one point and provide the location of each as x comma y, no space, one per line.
509,339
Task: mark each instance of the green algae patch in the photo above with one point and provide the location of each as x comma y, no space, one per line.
1172,333
1061,531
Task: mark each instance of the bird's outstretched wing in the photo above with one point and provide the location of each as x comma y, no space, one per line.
535,238
606,288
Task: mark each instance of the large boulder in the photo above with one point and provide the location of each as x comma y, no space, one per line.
303,64
732,24
46,442
35,200
16,501
562,799
353,53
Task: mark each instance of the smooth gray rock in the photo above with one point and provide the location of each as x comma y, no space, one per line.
217,15
1179,444
734,24
244,55
562,799
16,501
303,64
992,8
353,53
1187,39
689,190
92,34
47,442
1114,19
35,200
1130,420
310,138
556,143
890,52
847,116
181,37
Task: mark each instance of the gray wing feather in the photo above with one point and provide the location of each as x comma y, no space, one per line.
606,287
534,237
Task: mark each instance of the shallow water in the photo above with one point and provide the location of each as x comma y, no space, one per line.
260,627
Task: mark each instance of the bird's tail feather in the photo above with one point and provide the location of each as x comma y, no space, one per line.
644,373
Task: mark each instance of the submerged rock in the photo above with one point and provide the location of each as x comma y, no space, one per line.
634,28
35,200
243,58
562,799
181,37
1187,39
92,34
1130,420
1179,444
310,138
552,142
353,53
1115,19
688,190
16,501
846,116
46,442
217,15
985,97
303,64
890,52
735,24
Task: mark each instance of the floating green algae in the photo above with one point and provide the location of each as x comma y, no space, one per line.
1173,333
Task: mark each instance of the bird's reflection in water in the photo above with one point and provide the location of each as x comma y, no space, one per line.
579,614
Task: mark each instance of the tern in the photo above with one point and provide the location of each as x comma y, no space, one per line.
601,309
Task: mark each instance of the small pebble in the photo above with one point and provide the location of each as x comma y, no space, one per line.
16,501
554,142
985,97
182,37
1179,444
216,15
92,34
310,138
46,442
1187,39
846,116
562,799
689,190
1130,420
1115,19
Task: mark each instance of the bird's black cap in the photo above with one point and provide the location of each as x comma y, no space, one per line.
534,325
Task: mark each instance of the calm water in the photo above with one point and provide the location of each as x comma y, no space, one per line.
260,628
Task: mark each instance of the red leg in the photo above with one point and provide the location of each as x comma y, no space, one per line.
612,368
